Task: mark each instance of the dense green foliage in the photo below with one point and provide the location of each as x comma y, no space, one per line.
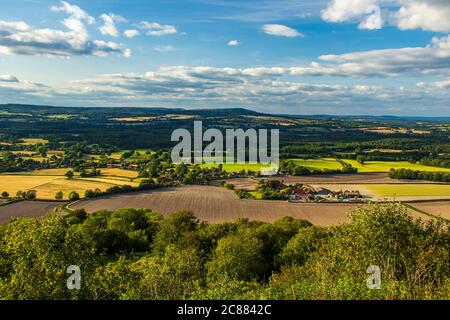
138,254
419,175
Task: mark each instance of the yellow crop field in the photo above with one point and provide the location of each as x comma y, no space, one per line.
117,172
42,172
385,166
48,190
33,141
13,183
48,185
410,189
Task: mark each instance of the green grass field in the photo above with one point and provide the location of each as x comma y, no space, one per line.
237,167
385,166
409,189
325,163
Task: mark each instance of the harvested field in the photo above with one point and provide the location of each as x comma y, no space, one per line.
117,172
438,208
12,183
248,184
216,205
47,186
48,190
26,209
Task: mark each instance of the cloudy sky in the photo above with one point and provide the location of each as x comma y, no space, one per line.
374,57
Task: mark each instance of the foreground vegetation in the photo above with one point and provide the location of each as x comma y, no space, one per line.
137,254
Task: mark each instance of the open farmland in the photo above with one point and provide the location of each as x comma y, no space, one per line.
366,178
419,190
385,166
318,164
237,167
26,209
438,208
48,186
216,205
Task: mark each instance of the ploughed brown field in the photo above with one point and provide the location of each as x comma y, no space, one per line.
217,205
26,209
438,208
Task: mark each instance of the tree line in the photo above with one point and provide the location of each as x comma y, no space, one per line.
419,175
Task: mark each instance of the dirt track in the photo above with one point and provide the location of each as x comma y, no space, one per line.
215,205
26,209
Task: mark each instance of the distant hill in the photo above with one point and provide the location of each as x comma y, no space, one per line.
158,111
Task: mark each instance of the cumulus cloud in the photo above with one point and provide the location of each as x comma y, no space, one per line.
264,89
156,29
430,15
131,33
109,24
419,61
259,88
281,31
8,78
233,43
17,37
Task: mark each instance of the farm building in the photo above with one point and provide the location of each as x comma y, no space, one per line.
303,194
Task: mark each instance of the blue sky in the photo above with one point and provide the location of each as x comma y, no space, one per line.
300,57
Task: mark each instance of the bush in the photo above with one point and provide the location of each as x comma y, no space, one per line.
74,196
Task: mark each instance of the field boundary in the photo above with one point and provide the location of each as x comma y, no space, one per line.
425,213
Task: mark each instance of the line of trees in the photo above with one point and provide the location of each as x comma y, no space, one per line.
419,175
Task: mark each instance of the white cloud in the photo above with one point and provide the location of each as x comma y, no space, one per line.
281,30
131,33
439,85
265,89
74,11
233,43
8,78
109,24
17,37
430,15
156,29
260,88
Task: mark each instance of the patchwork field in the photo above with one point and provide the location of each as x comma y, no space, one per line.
332,164
26,209
215,205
